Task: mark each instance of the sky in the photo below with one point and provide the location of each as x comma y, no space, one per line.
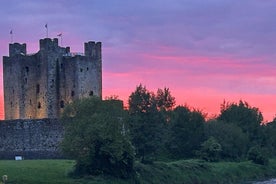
204,51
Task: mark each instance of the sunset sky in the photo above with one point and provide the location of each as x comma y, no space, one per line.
205,51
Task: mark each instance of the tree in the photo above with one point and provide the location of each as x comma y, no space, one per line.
141,101
186,132
247,118
269,130
258,155
96,137
233,140
145,124
164,100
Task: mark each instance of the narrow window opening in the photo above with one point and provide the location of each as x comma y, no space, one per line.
30,102
61,104
39,105
91,93
81,70
26,80
27,69
87,68
37,88
72,93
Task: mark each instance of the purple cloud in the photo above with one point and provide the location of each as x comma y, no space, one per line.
222,46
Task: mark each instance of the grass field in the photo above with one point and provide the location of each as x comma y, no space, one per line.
36,171
182,171
47,172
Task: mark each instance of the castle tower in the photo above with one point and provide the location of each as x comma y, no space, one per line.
40,85
17,48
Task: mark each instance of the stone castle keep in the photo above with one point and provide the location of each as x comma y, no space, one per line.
36,89
40,85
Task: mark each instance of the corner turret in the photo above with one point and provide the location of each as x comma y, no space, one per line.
93,49
48,44
17,48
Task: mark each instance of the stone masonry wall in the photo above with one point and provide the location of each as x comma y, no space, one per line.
32,139
39,85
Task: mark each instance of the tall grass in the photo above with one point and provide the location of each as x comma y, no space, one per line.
196,171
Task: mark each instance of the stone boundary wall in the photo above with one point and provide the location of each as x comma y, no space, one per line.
31,138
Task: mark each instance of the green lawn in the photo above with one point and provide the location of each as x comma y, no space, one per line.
182,171
36,171
46,172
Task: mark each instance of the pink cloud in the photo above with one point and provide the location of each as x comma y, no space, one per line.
206,99
207,51
201,82
209,100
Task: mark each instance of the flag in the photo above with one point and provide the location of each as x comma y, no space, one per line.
11,32
60,34
46,26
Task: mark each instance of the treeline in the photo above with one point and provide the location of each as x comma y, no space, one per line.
105,139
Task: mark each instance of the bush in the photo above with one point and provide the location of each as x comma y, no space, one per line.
233,140
210,150
257,155
96,137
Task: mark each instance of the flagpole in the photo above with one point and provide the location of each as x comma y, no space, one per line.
60,35
11,33
46,26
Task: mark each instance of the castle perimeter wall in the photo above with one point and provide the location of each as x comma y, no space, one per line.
31,139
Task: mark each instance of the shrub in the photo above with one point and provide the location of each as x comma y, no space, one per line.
257,155
210,150
96,137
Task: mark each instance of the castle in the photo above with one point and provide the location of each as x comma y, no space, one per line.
36,89
39,85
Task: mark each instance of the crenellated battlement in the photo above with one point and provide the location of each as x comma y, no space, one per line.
48,44
93,49
17,48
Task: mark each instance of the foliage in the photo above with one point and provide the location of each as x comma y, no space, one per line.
96,137
211,150
145,124
164,100
186,132
257,155
141,101
244,116
198,171
233,140
112,97
270,136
